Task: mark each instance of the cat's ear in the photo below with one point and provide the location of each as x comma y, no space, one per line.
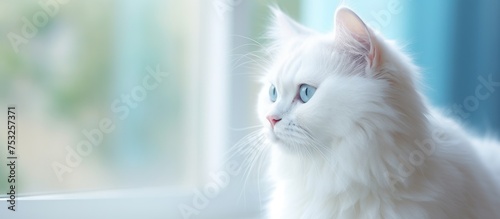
283,27
352,31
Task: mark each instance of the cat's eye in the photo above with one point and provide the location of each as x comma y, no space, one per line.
306,92
273,94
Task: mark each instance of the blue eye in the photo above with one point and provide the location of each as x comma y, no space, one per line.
306,92
273,94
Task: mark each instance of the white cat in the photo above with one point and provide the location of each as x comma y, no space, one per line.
352,137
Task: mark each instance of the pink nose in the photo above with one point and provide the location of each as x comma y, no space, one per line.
273,120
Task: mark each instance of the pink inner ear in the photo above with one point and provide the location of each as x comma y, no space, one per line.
374,56
350,22
350,27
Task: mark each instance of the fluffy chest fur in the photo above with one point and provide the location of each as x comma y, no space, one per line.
451,182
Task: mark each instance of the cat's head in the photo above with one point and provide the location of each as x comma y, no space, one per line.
323,88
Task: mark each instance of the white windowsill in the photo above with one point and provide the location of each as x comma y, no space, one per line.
131,203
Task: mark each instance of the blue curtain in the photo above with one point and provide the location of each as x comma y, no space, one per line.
456,43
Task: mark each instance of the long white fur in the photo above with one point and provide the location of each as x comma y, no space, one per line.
367,144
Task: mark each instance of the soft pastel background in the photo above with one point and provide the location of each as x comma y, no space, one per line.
90,53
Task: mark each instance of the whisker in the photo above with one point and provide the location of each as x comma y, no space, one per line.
247,128
251,163
242,143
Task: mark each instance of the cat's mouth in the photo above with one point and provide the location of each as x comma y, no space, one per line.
289,135
284,140
281,134
271,135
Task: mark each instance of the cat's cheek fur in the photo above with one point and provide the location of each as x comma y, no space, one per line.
344,102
